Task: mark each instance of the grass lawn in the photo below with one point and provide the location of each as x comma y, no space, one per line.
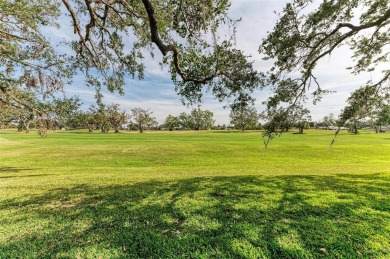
194,194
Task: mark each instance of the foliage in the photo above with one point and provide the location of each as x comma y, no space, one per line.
276,122
185,121
101,117
306,33
142,119
329,120
243,116
301,118
171,122
383,116
62,112
85,119
202,119
6,116
179,30
279,120
301,38
116,117
24,118
359,106
15,109
197,120
28,60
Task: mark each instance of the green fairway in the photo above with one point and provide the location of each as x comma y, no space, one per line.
194,194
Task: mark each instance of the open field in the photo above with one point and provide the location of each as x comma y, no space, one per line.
194,194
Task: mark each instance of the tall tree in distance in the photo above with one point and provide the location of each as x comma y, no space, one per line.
116,117
329,120
171,122
63,111
185,121
101,118
197,118
243,115
383,117
359,106
142,118
86,119
208,119
201,119
301,118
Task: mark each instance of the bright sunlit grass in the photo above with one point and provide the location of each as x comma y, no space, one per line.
194,194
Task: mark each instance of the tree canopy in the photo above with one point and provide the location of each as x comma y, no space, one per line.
28,60
142,118
179,30
243,115
301,38
305,33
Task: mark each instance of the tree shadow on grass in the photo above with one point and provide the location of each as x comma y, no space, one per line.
233,217
14,171
10,169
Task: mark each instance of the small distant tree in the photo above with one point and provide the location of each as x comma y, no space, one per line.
131,126
142,118
201,119
86,120
383,117
153,124
329,120
242,116
352,117
207,119
62,112
116,117
301,118
359,106
197,118
185,121
101,118
171,122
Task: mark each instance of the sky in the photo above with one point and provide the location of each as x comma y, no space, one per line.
157,92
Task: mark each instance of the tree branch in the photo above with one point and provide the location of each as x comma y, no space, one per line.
165,49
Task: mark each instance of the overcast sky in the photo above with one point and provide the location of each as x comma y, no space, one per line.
156,91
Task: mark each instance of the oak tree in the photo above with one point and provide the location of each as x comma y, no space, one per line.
111,40
142,118
306,32
116,117
243,115
171,122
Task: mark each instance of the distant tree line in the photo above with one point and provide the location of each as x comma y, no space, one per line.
354,119
65,113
